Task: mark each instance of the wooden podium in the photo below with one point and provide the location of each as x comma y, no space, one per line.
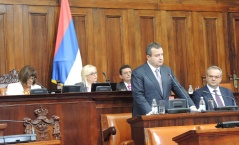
226,136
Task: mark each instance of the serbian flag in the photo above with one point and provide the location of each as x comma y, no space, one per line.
67,63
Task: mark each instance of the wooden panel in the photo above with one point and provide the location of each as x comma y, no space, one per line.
111,32
80,122
147,29
3,49
234,42
180,46
211,42
83,22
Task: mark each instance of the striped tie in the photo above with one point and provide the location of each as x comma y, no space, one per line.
159,79
218,99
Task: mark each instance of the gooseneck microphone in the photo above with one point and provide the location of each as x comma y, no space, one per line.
234,101
185,96
40,85
106,79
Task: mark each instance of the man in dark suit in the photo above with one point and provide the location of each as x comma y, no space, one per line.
221,96
125,74
153,80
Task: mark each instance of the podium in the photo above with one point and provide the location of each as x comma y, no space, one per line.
225,136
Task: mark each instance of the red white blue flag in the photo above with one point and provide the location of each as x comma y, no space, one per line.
67,63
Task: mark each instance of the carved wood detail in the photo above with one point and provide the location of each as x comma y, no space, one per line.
44,128
11,77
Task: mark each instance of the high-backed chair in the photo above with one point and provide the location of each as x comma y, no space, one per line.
44,128
115,129
5,79
164,135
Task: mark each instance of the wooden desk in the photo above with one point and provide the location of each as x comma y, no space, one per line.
139,123
51,142
225,136
79,113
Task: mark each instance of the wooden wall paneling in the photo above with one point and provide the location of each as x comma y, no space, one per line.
147,30
180,46
10,38
3,49
116,48
40,21
83,21
19,53
131,41
99,38
233,25
212,41
199,68
164,37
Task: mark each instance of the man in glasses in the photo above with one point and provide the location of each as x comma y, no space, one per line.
221,96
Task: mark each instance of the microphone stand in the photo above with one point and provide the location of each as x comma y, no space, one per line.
179,89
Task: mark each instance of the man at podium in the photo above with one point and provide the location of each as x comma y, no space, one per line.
153,80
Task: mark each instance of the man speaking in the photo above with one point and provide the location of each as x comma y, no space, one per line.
153,80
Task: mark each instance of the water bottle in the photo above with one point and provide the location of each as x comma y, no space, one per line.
59,87
202,106
190,90
154,107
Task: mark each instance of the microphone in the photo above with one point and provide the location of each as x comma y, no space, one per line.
40,85
185,96
234,101
106,79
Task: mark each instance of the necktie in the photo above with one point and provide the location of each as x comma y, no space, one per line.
129,87
218,99
159,79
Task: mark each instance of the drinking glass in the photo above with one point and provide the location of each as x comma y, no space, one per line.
210,105
161,106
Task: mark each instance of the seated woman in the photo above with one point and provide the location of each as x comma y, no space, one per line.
27,80
89,76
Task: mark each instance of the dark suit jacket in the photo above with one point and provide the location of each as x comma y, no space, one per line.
121,86
83,88
145,88
226,94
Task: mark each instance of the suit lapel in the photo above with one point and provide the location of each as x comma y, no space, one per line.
152,77
225,99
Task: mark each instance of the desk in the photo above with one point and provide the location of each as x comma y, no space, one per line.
79,112
225,136
51,142
140,122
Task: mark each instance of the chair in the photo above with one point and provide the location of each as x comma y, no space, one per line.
5,79
164,135
115,129
44,128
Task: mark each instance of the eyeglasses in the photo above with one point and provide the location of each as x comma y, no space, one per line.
31,78
216,77
94,73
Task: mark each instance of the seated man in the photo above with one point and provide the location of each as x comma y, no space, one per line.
221,96
125,74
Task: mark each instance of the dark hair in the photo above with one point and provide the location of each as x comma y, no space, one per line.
123,67
25,73
150,46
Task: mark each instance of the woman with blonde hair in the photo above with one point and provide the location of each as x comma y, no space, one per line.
89,76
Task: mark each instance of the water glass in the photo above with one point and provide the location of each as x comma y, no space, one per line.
210,105
161,106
